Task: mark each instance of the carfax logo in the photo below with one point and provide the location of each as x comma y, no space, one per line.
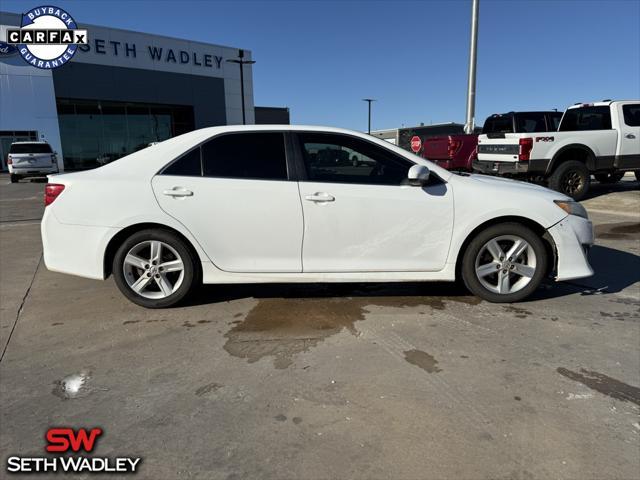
48,37
67,442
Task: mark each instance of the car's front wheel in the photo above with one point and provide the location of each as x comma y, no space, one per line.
14,178
504,263
155,268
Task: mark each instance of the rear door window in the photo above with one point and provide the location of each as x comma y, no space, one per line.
631,114
30,148
586,118
530,122
554,121
255,155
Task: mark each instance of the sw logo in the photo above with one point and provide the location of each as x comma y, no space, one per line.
65,440
47,38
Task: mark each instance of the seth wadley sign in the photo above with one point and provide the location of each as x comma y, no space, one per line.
155,53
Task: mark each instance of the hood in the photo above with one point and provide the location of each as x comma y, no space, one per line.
516,185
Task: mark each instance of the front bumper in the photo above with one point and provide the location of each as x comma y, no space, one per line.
573,236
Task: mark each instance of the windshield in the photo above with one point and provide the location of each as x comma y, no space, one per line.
30,148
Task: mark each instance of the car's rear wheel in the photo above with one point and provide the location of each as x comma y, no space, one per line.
155,268
14,178
571,178
610,177
504,263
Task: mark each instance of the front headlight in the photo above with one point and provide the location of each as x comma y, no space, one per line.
572,208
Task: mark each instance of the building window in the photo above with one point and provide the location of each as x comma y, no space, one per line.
94,133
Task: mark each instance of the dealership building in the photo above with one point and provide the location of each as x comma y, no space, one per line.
120,92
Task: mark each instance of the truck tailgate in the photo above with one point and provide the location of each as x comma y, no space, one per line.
31,160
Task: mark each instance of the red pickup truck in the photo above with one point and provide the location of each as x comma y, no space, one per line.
457,152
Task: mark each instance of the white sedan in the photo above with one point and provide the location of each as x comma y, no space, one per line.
257,204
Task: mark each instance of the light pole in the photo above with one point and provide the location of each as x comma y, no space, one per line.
242,62
369,100
473,55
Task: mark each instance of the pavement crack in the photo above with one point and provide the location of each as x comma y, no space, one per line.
21,307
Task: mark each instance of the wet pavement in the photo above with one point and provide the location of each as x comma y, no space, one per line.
340,381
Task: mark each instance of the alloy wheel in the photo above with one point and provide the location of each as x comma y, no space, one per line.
505,264
153,269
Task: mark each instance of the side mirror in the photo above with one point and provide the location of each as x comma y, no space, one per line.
418,175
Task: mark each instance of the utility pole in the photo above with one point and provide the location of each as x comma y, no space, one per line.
473,56
242,62
369,100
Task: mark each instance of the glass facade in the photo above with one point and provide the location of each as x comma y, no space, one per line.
94,132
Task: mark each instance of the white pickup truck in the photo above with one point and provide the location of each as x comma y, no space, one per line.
600,139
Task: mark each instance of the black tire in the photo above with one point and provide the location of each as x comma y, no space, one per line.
14,178
191,270
609,177
473,282
571,178
637,174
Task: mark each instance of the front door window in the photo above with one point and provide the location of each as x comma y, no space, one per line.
343,159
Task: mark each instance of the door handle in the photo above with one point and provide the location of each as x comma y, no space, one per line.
630,136
178,192
319,197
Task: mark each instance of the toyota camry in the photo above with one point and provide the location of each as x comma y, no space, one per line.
258,204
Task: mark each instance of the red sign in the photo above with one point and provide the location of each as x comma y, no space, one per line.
416,144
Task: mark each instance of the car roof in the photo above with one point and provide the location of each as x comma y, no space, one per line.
522,112
602,103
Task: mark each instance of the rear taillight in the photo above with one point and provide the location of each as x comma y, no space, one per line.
9,160
453,147
526,145
51,192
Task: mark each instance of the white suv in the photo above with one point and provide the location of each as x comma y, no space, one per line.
31,159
